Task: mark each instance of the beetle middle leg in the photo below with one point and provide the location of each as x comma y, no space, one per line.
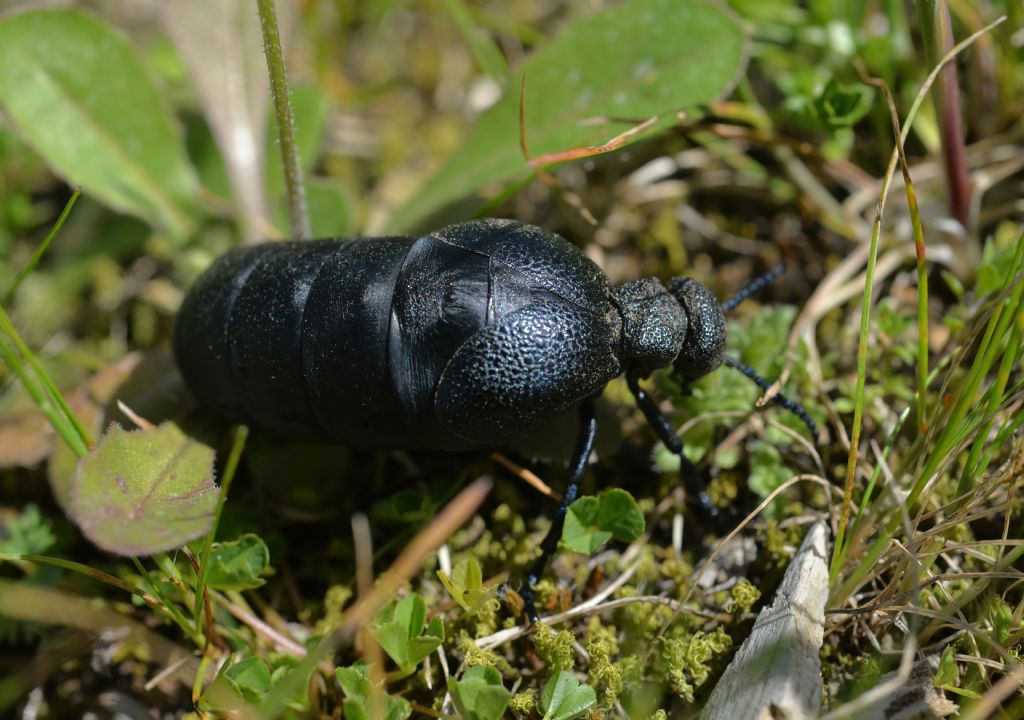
577,467
666,433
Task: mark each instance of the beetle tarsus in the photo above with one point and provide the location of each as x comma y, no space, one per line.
577,467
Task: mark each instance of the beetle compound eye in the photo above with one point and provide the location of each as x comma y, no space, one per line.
704,348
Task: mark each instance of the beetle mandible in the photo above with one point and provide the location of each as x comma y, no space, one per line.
461,339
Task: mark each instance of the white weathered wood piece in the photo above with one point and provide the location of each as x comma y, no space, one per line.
777,671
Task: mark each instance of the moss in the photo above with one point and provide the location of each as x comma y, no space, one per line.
632,668
523,703
555,648
687,659
743,596
678,571
604,676
334,603
486,617
475,656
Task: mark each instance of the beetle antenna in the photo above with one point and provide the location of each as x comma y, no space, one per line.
791,405
755,286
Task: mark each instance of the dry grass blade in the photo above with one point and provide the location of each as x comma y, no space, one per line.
35,604
453,516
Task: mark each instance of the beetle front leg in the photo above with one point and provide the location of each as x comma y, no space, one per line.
666,433
577,466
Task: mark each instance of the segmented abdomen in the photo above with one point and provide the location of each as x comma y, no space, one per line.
293,336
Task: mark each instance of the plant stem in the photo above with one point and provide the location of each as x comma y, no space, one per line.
41,389
237,443
41,250
297,213
951,125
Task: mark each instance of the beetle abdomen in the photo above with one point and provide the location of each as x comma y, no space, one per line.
292,337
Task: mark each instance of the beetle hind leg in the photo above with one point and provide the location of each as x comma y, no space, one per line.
577,467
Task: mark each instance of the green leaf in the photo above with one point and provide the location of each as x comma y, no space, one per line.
28,533
362,698
565,697
250,678
841,105
580,532
79,95
634,60
399,630
144,492
466,585
947,674
238,564
590,522
480,694
766,469
329,206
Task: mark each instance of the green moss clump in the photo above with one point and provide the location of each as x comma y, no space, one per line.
555,648
523,703
475,656
687,659
604,675
334,608
743,596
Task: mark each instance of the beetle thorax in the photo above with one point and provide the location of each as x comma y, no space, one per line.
681,325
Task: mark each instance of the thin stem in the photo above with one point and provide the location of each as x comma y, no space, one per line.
49,404
919,249
237,444
297,213
50,390
951,124
41,250
165,604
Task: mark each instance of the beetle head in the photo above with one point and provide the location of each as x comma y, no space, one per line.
703,350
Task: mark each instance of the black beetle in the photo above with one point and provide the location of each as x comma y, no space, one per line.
462,339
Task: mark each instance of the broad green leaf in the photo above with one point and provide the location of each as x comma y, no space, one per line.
767,472
479,695
144,492
590,522
362,697
239,564
221,44
580,532
328,205
250,678
634,60
564,697
400,631
79,95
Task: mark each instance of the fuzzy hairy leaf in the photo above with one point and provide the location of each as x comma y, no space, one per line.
146,491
